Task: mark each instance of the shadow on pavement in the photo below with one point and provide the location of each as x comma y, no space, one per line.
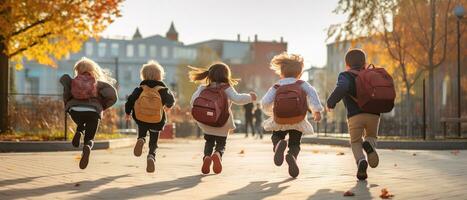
78,187
255,190
361,191
10,182
157,188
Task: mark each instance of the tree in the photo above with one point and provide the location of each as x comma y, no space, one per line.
413,31
46,31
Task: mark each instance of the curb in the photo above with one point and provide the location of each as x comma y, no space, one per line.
413,145
47,146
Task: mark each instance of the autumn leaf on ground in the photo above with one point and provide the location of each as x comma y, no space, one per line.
395,165
455,152
241,152
340,153
349,194
77,184
315,151
78,157
414,154
385,194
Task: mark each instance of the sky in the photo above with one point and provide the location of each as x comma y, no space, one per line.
302,23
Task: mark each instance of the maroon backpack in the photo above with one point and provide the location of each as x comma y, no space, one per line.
211,106
83,87
290,103
375,90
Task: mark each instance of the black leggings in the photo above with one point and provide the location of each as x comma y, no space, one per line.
295,138
153,137
86,123
211,141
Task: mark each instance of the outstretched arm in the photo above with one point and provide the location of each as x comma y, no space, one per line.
238,98
342,88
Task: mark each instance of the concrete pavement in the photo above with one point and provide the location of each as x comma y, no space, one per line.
326,173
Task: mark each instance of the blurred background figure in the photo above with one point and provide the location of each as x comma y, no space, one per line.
258,114
249,118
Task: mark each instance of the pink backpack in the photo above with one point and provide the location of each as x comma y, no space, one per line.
83,87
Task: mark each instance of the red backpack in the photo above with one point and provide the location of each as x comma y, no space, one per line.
290,103
211,106
83,87
375,90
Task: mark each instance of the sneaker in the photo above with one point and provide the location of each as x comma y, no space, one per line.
373,158
362,166
279,152
138,150
293,167
76,139
150,167
216,163
83,163
206,168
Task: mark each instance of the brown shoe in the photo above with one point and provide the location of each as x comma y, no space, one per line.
138,150
279,150
206,168
150,167
83,163
293,167
217,162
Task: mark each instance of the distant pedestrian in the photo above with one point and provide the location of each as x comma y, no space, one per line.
211,109
249,118
147,104
288,102
258,114
86,96
360,123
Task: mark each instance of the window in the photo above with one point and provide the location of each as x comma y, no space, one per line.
114,49
142,50
101,49
152,51
129,50
89,49
165,52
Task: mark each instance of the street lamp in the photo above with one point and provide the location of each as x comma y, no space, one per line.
459,12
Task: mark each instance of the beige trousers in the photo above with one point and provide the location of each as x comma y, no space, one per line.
362,126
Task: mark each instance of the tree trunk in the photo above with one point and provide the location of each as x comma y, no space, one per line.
4,72
431,105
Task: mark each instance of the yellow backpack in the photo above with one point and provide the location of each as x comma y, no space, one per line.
148,107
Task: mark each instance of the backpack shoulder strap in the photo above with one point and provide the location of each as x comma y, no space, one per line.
299,81
276,86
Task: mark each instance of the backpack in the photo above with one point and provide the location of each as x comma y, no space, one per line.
290,103
148,107
84,86
211,106
375,90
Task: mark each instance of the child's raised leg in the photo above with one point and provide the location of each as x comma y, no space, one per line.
217,156
153,138
208,148
279,146
91,122
369,143
142,131
356,129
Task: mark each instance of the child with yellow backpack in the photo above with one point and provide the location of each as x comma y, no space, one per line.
147,104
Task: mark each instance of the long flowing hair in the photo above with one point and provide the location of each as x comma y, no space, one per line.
217,72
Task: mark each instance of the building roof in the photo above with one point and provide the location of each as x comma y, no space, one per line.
172,29
137,34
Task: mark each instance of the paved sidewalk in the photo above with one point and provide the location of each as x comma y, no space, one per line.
325,174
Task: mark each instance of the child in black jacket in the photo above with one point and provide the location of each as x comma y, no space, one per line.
148,115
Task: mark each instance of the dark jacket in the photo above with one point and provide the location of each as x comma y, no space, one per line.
107,96
166,97
258,116
344,88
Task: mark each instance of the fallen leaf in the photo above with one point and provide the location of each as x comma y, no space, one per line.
241,152
414,154
315,151
77,184
455,152
349,194
78,157
385,194
395,165
340,153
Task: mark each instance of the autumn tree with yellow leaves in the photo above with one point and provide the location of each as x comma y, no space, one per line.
46,31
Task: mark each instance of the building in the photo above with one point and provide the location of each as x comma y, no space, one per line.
249,60
122,57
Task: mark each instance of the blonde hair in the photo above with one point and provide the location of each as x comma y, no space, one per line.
287,65
86,65
218,72
152,71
